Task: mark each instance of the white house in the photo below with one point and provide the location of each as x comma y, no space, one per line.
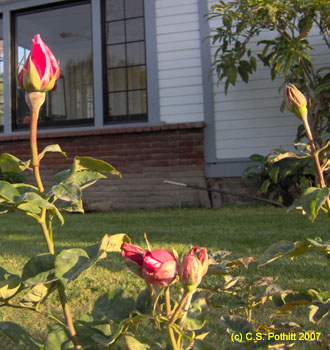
135,91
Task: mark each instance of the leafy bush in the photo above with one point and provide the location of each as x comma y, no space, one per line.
283,181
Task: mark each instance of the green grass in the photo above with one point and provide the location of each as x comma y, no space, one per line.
244,231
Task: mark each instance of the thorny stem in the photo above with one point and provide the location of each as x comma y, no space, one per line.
316,160
50,245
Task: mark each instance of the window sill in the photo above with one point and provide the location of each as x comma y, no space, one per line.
104,131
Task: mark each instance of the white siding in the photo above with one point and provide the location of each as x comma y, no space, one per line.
248,119
179,61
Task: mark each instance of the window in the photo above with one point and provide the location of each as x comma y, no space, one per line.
125,57
66,29
1,77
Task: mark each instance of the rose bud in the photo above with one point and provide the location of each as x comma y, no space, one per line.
159,267
296,101
193,267
133,256
40,70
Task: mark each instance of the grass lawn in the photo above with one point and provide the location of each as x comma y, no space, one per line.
244,231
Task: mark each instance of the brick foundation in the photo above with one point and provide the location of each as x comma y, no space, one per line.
146,156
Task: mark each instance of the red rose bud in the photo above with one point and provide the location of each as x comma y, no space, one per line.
296,101
133,256
159,267
40,70
193,267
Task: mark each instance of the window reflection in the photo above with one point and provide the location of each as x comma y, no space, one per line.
67,32
126,62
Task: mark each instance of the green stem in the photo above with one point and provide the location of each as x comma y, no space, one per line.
178,310
35,310
49,242
316,160
186,309
68,317
168,312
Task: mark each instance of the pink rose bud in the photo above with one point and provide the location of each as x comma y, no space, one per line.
159,267
193,267
133,256
40,70
296,101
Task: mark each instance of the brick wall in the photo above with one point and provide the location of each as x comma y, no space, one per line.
146,156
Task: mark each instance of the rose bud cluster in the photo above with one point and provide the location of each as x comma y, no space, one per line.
193,267
296,101
157,267
40,70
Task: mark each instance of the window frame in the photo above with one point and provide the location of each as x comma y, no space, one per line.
14,59
98,79
125,118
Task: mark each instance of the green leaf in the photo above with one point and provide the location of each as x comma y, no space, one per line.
19,336
39,269
72,207
87,163
8,288
113,243
195,318
311,201
232,74
36,295
36,200
133,344
115,305
8,192
318,312
22,188
51,148
143,302
70,263
275,251
9,163
286,300
237,324
58,339
69,192
82,179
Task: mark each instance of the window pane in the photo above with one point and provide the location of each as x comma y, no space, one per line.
125,61
117,79
72,99
136,77
114,10
116,56
135,53
137,102
116,32
134,29
1,76
118,103
133,8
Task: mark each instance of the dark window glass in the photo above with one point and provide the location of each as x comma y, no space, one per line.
125,61
67,32
1,77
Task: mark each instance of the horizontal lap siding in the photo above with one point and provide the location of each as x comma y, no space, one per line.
179,61
248,119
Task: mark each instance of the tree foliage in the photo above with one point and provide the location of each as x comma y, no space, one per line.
287,53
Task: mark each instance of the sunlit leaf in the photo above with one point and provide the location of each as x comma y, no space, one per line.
9,163
51,148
